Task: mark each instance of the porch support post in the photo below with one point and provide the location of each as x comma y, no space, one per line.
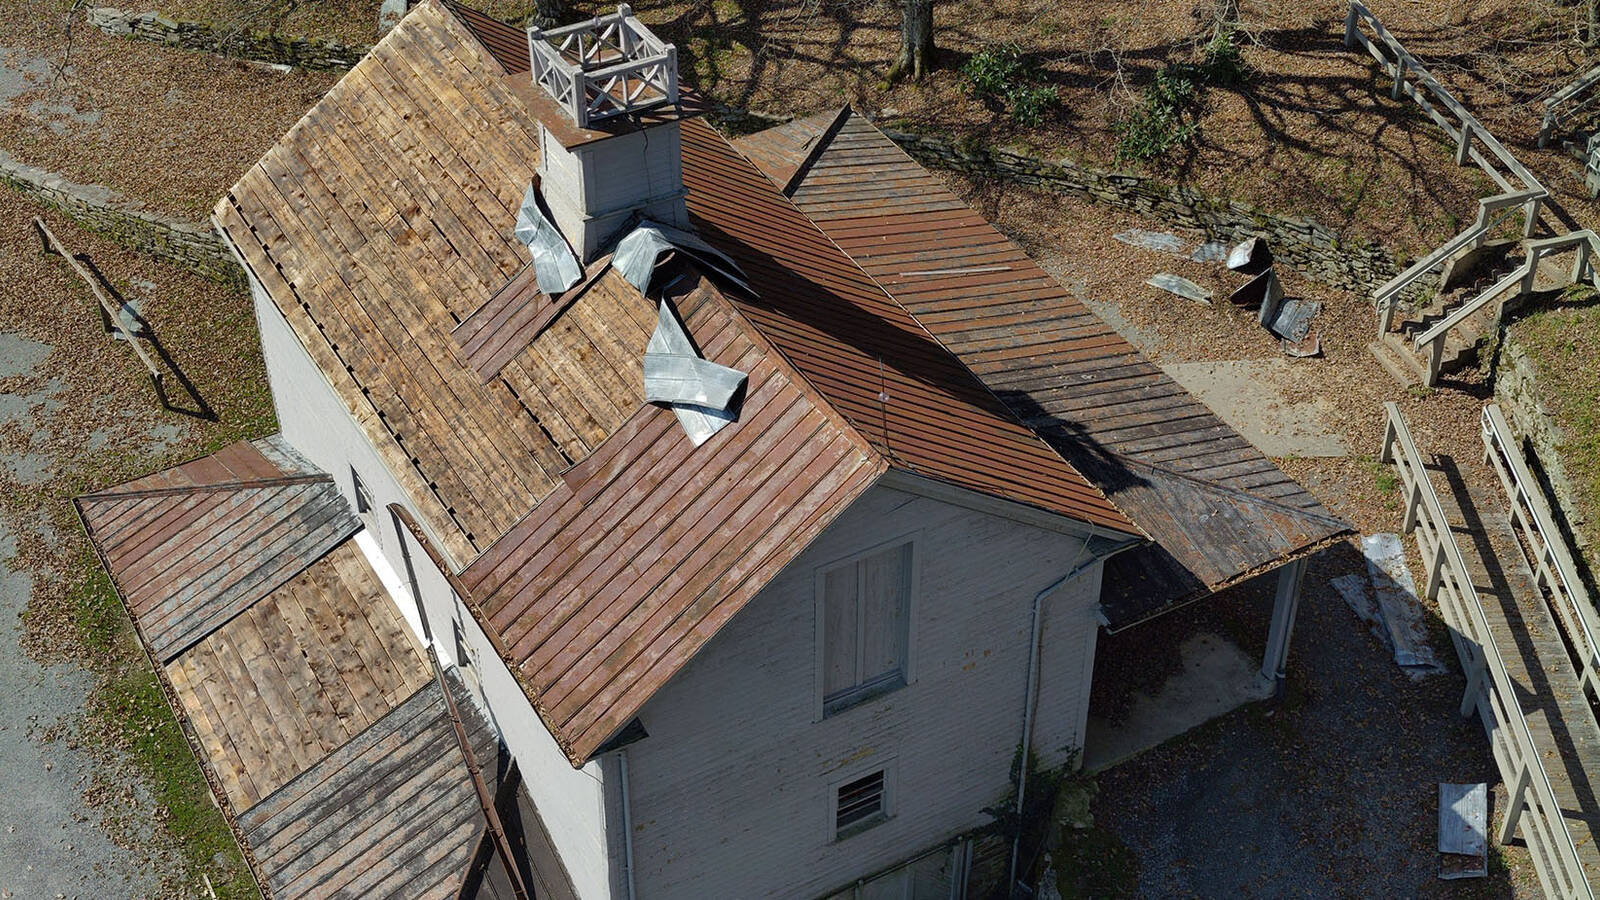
1284,607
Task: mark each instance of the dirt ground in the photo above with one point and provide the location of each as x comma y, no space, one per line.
1333,790
104,797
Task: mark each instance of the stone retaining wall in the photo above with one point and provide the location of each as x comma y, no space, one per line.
207,37
1308,247
1516,388
191,246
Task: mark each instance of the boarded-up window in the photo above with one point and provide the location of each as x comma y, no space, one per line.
865,626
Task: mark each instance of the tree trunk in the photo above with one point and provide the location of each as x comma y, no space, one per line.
916,40
1591,10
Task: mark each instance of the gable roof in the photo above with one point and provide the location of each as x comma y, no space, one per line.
381,227
1217,509
192,546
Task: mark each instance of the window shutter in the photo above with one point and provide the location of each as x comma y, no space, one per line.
839,646
885,592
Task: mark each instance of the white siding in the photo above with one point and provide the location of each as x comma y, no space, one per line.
731,792
571,802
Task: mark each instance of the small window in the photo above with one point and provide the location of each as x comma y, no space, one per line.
860,805
865,619
363,496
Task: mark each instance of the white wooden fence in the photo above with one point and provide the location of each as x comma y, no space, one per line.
1518,187
1587,245
1545,549
1490,690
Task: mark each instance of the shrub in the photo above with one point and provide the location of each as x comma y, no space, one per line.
1157,124
1004,76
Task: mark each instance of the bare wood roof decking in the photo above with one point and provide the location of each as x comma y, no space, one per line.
302,671
312,707
193,546
1218,510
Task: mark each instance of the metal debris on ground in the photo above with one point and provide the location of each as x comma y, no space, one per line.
1159,241
1356,590
1398,604
1258,291
1210,251
1305,348
701,393
553,262
1292,321
1463,848
1250,257
1183,287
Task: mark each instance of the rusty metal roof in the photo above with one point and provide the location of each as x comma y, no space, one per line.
913,399
1217,509
191,547
650,545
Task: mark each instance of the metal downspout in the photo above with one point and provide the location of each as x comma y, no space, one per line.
1035,633
627,821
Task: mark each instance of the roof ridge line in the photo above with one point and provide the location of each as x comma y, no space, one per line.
144,493
824,140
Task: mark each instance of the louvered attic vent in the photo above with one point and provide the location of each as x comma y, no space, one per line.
860,805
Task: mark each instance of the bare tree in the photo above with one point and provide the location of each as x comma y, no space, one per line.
916,40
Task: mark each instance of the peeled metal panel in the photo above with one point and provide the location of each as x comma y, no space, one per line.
700,392
553,261
636,254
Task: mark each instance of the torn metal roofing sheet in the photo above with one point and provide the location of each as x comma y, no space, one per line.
191,547
639,251
1218,510
553,263
701,393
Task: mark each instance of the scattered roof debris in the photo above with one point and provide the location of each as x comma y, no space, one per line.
701,393
1183,287
1159,241
1292,318
1250,257
553,261
1463,850
1210,251
1305,348
1260,290
1397,603
637,253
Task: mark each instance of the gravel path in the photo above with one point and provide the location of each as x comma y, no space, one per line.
50,843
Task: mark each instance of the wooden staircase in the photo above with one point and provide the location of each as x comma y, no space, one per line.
1445,336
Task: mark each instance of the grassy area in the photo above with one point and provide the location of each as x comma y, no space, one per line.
94,420
133,715
1562,342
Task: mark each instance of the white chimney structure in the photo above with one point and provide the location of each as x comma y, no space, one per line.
607,104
